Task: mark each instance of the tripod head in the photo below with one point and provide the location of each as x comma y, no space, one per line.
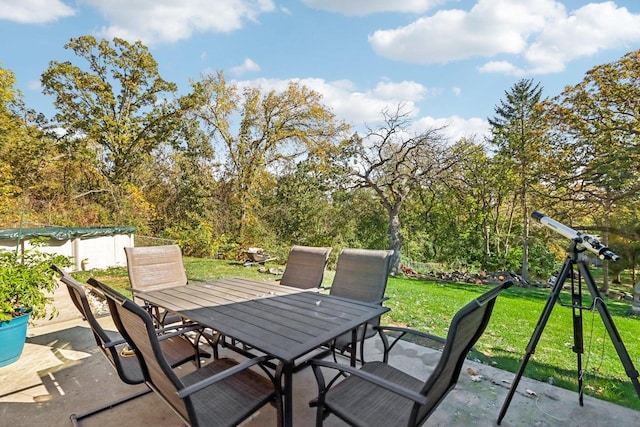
583,240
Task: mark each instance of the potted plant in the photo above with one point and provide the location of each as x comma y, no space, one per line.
26,283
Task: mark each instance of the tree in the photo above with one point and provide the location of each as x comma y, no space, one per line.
518,135
27,154
115,108
477,200
273,131
599,125
298,208
10,134
393,164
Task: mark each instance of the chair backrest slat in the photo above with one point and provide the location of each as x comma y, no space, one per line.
155,267
305,267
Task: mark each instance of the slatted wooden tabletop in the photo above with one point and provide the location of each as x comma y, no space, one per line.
280,321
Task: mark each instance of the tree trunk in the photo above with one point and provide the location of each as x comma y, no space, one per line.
605,264
395,240
525,237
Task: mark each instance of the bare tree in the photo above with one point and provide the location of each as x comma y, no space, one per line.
393,162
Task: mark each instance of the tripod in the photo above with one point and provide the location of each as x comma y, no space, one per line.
573,258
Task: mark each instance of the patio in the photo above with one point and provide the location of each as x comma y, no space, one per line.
62,372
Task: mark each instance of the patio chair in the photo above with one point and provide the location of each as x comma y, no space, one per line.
220,393
155,267
361,274
378,394
305,267
111,344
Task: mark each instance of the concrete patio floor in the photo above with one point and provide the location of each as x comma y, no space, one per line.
62,372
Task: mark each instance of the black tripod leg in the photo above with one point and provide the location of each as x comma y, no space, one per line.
533,342
630,370
578,340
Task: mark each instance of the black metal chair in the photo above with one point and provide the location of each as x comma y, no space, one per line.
155,267
378,394
305,267
361,274
177,349
220,393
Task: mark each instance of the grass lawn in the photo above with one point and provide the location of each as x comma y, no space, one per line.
429,306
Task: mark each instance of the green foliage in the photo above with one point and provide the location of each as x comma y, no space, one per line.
519,135
26,280
543,263
273,130
116,99
201,241
596,126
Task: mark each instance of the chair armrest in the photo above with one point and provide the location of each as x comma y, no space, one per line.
380,301
403,331
366,376
165,333
114,343
193,388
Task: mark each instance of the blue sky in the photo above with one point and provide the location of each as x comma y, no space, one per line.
448,61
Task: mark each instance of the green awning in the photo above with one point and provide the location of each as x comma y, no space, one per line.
63,233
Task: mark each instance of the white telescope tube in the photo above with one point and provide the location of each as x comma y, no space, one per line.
587,241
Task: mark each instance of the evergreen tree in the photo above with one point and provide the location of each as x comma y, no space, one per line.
517,133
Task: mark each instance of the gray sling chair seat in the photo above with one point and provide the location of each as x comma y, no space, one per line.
220,393
305,267
177,349
361,274
378,394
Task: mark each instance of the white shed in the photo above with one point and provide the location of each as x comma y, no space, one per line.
88,247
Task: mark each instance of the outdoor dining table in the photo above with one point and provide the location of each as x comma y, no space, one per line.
284,322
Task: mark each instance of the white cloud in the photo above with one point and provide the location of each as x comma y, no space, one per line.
350,104
489,28
34,11
34,85
360,108
589,29
159,21
503,67
367,7
455,127
540,33
247,65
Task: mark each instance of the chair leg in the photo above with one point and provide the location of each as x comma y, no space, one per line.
75,418
362,362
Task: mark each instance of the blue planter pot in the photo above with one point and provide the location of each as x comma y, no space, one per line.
12,336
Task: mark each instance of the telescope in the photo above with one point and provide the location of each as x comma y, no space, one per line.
583,240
